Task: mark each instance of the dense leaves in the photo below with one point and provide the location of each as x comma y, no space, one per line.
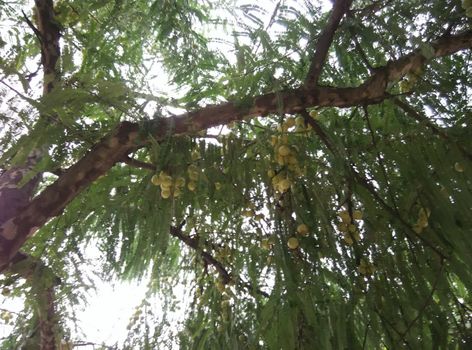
384,191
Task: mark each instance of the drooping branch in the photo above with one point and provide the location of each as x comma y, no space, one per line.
225,276
130,136
340,7
411,112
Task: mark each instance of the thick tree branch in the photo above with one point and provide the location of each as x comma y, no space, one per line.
130,136
50,34
340,7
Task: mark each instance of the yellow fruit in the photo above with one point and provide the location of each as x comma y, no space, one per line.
177,192
348,239
342,227
192,168
247,213
6,291
344,215
417,228
220,286
302,230
217,186
155,180
180,182
290,122
284,150
292,160
284,185
165,193
459,167
356,235
265,244
283,139
270,173
300,121
259,217
352,228
357,215
195,155
192,185
273,140
293,243
166,181
280,159
313,114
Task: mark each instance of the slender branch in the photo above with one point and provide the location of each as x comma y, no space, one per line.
138,164
411,112
426,303
340,7
226,276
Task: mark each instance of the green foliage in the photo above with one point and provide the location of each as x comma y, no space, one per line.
399,277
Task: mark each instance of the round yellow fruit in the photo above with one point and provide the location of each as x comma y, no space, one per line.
180,181
217,186
293,243
300,121
270,173
155,180
247,213
357,215
284,150
265,244
290,122
165,193
313,114
344,215
302,230
284,185
192,185
459,167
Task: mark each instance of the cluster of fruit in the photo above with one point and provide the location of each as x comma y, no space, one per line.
303,231
169,186
348,227
296,124
467,6
5,316
422,222
365,267
193,174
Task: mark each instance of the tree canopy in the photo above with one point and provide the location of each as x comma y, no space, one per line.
299,170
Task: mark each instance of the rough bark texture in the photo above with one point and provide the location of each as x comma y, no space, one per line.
340,7
130,136
14,197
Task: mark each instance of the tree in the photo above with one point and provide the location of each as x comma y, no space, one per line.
304,173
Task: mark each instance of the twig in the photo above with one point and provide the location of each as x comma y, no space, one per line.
209,259
426,303
138,164
33,28
434,129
